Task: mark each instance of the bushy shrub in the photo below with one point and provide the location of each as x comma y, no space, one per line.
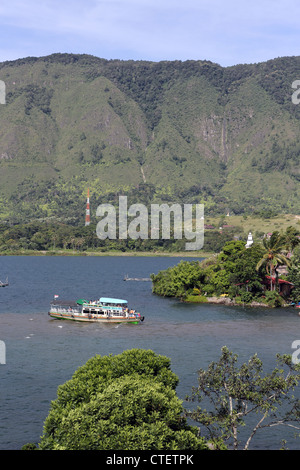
123,402
273,299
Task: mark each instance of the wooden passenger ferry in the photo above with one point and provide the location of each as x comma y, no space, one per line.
104,310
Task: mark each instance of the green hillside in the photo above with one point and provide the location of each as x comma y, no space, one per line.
169,131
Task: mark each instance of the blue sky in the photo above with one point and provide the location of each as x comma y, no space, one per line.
228,32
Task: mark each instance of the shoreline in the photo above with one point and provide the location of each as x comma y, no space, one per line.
231,302
181,254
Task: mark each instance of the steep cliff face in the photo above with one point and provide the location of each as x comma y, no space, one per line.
170,131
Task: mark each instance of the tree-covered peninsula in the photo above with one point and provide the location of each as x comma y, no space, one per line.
266,273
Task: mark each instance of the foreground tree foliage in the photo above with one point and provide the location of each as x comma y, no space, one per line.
235,394
128,402
122,402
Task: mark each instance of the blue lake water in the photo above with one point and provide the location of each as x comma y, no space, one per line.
42,353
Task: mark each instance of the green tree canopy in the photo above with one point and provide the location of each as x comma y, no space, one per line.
178,280
235,265
122,402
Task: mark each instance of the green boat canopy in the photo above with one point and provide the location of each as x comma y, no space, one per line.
82,301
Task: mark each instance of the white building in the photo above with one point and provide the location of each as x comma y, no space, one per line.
249,240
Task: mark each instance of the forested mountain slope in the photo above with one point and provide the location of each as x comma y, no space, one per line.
168,131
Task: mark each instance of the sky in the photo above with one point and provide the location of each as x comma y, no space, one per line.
227,32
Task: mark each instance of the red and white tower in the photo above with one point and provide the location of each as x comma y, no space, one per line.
87,212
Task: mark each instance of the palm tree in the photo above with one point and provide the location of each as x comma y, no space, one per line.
273,256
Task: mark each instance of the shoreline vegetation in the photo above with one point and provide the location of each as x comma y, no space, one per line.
180,254
225,301
54,237
227,271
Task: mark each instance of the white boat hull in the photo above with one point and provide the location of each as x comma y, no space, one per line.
95,319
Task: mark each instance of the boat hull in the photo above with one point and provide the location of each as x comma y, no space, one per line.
91,319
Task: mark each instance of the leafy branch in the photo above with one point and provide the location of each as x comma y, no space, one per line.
236,393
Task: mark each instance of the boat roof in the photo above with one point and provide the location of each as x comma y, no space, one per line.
109,300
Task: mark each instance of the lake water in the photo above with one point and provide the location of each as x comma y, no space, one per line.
42,353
